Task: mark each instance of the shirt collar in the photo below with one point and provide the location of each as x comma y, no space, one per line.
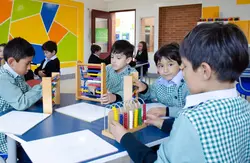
193,100
52,58
176,80
8,68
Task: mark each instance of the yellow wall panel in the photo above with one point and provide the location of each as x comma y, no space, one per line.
211,12
244,26
241,2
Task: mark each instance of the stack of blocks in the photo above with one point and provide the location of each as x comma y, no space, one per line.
90,76
51,92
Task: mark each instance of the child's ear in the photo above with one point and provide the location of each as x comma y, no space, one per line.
206,71
11,61
128,60
54,52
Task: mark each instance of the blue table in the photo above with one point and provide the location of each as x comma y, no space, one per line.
58,124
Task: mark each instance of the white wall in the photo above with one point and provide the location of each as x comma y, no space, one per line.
229,8
147,8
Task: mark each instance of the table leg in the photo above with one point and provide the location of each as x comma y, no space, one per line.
141,73
12,156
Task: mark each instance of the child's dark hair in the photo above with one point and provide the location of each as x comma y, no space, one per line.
3,44
95,48
168,51
123,46
223,46
144,46
50,46
18,48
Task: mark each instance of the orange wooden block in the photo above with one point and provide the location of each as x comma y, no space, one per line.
211,12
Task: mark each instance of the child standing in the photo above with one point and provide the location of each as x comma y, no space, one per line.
142,56
121,56
51,63
1,54
170,88
95,54
214,124
14,91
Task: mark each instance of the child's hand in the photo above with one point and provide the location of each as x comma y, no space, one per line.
117,130
154,120
141,86
41,73
108,98
158,111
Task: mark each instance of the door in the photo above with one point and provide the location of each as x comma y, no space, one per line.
101,29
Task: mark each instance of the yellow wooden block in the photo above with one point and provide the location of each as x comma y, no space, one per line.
243,2
211,12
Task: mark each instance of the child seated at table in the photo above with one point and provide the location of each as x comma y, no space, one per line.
170,88
14,91
121,56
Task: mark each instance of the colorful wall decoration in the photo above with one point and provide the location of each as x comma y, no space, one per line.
41,20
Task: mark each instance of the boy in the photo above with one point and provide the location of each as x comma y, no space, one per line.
169,89
14,91
51,63
121,56
95,54
214,124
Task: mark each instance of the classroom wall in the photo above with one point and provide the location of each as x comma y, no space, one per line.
231,8
41,20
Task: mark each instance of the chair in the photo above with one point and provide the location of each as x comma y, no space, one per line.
243,86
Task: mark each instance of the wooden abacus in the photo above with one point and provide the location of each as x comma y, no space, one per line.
51,92
130,115
90,75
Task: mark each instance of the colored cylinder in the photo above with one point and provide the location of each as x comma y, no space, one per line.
144,112
125,122
131,119
121,119
139,117
136,118
116,118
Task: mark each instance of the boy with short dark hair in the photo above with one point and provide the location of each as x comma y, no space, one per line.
51,63
214,124
14,91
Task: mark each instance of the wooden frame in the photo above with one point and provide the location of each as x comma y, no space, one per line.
79,79
50,84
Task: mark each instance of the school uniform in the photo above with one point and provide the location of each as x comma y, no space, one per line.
49,66
114,80
170,93
15,93
212,127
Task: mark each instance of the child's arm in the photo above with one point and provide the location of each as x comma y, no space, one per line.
14,95
182,145
38,68
51,66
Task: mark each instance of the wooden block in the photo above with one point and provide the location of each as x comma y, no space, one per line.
109,135
127,88
47,95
